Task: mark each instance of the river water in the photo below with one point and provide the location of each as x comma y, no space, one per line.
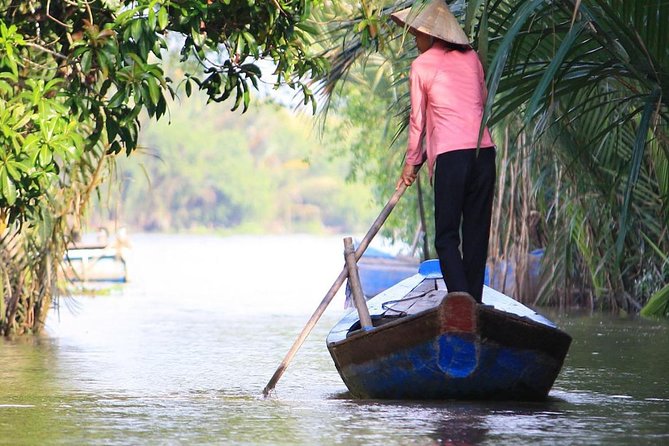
180,355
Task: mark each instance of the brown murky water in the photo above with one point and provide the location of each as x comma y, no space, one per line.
180,356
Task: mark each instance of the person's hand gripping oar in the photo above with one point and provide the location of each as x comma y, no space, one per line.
373,230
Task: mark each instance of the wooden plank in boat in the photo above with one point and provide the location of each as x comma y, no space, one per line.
423,297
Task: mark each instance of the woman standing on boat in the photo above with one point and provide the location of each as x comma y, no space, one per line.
448,93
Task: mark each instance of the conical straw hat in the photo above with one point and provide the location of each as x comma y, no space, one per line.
434,19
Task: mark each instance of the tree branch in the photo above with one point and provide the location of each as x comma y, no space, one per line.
46,50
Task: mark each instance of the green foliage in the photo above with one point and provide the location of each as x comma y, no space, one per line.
37,135
658,305
589,83
585,83
98,65
212,170
364,129
76,76
367,105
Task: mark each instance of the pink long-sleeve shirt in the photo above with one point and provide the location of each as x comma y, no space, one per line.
448,94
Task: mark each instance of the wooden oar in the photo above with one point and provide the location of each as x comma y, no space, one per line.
356,286
376,226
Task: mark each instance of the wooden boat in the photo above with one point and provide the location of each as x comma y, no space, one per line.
95,264
98,258
428,344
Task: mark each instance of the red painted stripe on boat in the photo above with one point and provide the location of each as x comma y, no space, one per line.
458,313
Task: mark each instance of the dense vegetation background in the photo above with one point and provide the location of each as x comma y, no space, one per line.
208,169
579,113
76,76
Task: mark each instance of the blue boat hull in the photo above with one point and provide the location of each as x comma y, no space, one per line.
454,349
454,366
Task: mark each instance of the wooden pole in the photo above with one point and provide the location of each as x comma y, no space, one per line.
423,223
356,287
364,243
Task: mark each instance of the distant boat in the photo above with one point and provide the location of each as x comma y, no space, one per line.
95,265
427,344
100,260
380,270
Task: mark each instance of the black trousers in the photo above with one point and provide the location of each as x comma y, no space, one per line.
463,192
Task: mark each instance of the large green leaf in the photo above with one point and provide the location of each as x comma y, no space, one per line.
658,305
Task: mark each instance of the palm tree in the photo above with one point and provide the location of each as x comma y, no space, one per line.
589,77
584,83
31,254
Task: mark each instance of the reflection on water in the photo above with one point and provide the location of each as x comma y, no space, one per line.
180,356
